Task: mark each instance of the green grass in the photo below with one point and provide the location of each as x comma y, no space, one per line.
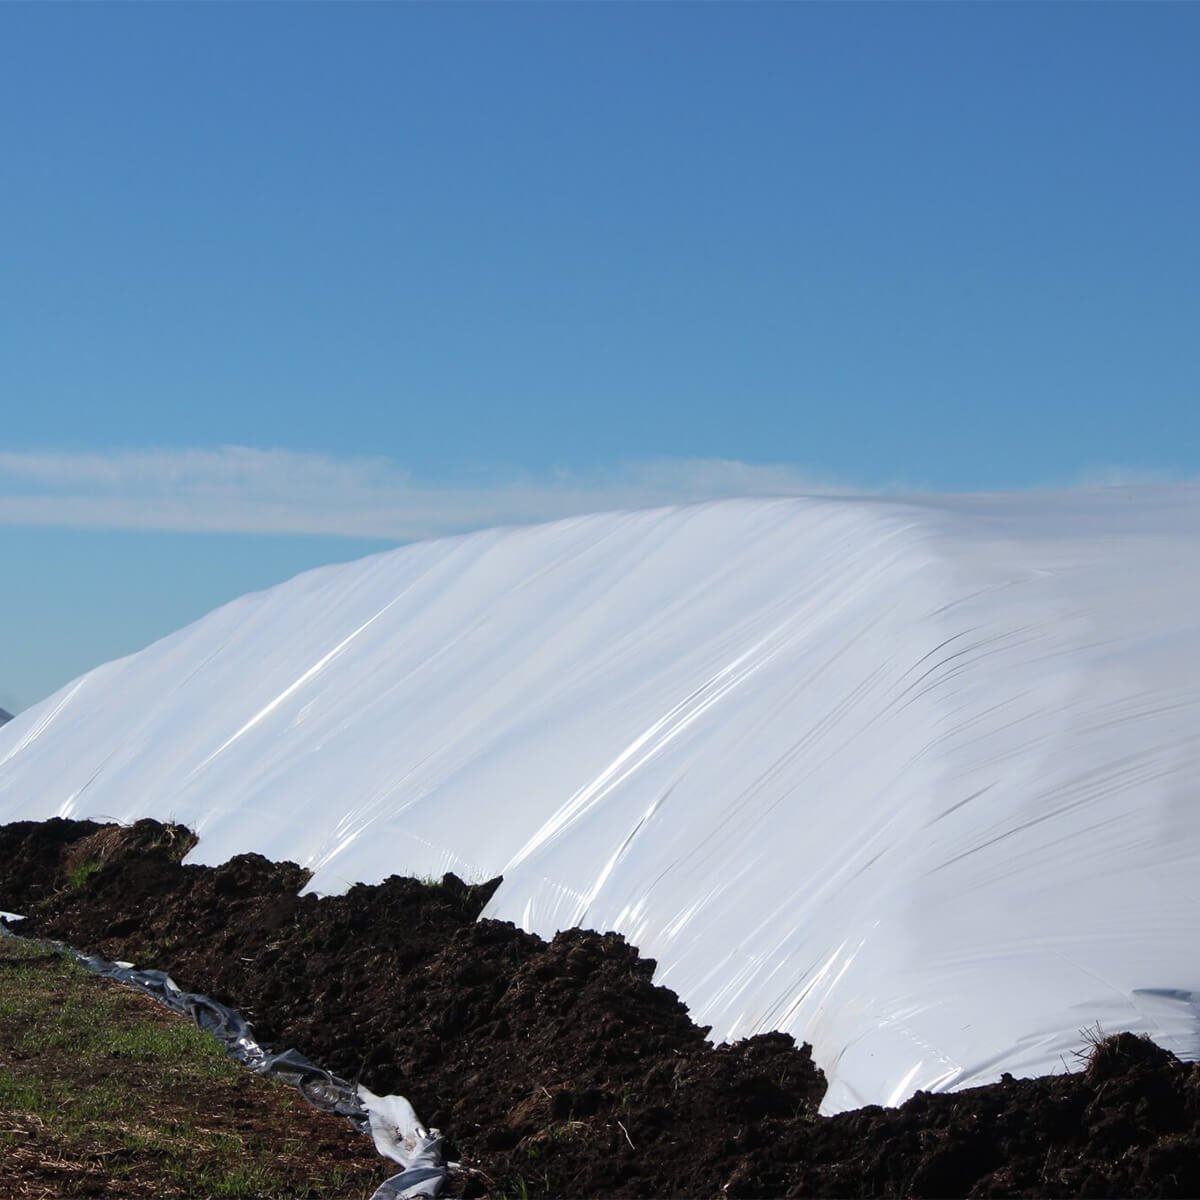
77,877
88,1023
102,1088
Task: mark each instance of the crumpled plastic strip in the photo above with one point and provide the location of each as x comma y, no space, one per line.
391,1121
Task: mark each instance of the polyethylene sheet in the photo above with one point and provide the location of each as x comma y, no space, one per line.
911,780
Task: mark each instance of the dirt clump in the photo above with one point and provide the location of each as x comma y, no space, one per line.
559,1068
42,858
33,857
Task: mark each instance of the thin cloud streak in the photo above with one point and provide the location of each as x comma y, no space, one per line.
239,489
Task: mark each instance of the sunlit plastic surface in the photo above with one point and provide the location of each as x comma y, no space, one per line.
916,781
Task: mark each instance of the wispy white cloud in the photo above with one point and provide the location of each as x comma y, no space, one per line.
246,490
240,489
1115,475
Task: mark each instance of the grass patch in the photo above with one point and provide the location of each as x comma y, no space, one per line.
80,873
103,1091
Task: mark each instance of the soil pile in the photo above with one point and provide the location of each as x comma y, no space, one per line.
558,1068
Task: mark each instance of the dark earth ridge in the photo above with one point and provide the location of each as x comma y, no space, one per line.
558,1068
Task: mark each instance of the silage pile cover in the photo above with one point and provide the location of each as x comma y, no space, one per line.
915,781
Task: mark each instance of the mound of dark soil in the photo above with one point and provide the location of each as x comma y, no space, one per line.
34,853
42,857
559,1068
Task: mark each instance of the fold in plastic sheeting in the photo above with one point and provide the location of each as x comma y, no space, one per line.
914,781
399,1135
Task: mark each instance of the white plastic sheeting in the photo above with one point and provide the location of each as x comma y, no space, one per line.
915,781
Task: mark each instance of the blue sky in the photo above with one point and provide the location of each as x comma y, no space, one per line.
284,284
